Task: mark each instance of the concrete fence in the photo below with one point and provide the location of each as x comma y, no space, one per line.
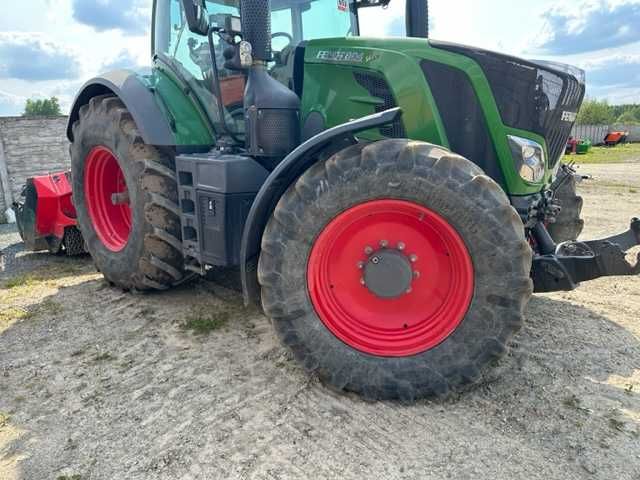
596,133
28,147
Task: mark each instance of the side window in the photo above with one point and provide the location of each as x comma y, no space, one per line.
190,56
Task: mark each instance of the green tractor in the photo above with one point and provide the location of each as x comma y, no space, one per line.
386,199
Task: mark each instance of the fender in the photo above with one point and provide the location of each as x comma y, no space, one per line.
293,166
139,100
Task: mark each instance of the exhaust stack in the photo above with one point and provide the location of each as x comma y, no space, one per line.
271,110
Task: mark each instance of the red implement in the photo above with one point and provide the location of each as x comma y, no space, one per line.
46,216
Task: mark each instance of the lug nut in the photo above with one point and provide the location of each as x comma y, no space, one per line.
413,258
360,265
362,282
384,243
409,290
368,250
416,274
401,246
375,260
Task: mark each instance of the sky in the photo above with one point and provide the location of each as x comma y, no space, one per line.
51,47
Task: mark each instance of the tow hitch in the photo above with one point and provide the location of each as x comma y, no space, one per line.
562,267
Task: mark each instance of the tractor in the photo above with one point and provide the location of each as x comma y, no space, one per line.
391,203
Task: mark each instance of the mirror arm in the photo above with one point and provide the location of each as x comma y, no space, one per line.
195,12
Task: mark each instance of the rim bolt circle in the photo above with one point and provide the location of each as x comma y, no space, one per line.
368,250
384,243
401,246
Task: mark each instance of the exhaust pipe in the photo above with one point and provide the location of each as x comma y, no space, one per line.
271,110
417,18
256,27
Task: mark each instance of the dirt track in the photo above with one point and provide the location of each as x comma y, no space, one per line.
98,384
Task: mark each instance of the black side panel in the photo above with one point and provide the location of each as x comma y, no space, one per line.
462,116
378,87
139,100
215,192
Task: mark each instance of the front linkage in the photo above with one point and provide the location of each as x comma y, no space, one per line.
562,267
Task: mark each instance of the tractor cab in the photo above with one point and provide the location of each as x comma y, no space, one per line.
292,23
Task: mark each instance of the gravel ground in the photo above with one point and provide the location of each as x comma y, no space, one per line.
98,384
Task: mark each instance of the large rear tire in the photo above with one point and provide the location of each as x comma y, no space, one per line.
125,194
397,270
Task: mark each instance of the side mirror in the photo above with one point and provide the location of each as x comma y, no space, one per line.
197,18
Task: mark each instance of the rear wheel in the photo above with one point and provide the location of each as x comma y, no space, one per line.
395,270
125,193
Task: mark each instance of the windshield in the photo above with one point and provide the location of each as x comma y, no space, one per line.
293,21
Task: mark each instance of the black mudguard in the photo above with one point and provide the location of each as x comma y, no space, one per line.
295,164
139,100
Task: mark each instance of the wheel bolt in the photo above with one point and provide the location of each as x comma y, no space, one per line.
401,246
362,282
409,290
384,243
416,274
375,260
368,250
413,258
360,265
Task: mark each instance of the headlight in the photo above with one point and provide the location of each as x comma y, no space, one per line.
528,157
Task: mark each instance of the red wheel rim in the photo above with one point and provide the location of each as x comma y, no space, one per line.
423,316
111,217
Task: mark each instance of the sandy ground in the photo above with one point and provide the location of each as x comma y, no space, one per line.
98,384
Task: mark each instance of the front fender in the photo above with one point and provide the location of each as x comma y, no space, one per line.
295,164
137,97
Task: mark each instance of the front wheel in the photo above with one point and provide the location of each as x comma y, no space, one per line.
395,270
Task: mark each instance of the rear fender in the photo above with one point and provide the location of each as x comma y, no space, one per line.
292,167
137,97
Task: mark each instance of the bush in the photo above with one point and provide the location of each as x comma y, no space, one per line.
47,107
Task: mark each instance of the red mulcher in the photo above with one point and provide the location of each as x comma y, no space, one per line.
46,216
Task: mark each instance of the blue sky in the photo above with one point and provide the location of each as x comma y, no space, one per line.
50,47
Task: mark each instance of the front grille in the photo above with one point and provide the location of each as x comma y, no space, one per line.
530,96
378,87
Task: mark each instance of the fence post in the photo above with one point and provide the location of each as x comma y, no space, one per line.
5,186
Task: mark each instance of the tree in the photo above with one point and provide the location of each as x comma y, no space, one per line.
628,118
595,112
42,108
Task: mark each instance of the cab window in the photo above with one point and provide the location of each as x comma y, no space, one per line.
293,21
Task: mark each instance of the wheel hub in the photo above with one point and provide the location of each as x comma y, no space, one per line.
388,274
394,297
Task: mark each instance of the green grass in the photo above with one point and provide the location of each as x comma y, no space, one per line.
202,320
25,280
619,154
